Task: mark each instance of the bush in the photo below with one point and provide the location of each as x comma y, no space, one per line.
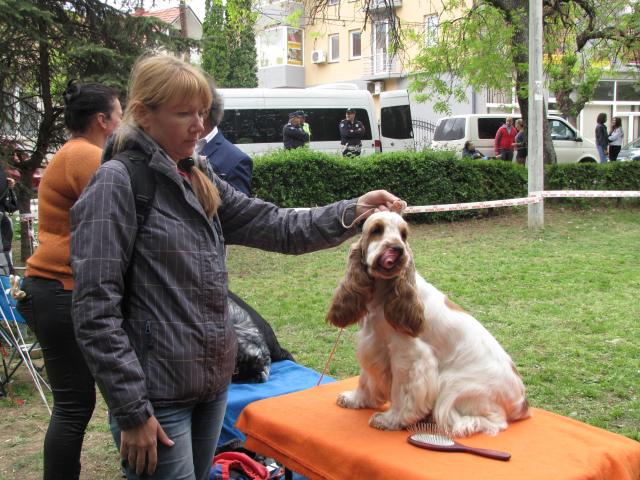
306,178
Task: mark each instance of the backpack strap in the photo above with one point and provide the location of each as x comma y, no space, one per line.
143,181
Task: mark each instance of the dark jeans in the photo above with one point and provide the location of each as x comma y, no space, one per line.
507,155
614,150
47,311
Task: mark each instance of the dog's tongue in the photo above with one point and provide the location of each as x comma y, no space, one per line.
387,258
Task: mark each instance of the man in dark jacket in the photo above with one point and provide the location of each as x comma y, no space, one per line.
228,161
470,151
351,131
505,138
293,135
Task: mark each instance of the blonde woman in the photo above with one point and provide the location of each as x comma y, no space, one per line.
150,303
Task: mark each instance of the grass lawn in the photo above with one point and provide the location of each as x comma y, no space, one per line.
562,301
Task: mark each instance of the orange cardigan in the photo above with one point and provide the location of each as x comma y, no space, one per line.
63,181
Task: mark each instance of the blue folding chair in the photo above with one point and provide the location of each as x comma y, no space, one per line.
9,313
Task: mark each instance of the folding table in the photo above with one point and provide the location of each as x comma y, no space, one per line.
310,434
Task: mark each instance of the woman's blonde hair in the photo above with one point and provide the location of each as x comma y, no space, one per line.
160,80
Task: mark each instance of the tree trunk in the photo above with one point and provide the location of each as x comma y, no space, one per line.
521,60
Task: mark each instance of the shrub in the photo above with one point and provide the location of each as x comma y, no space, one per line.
306,178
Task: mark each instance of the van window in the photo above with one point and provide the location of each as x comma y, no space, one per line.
265,125
396,122
450,129
488,127
560,131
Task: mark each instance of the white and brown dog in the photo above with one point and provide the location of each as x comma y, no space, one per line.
417,348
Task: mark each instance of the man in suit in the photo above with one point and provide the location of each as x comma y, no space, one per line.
228,161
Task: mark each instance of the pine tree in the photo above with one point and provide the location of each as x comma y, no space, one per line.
45,43
215,46
229,45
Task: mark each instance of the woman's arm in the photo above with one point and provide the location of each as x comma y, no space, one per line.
617,134
103,231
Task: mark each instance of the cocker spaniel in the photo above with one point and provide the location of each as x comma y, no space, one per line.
417,348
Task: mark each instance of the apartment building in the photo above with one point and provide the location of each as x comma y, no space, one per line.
293,53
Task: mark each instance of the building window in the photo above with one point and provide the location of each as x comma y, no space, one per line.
334,48
334,2
431,30
356,44
280,46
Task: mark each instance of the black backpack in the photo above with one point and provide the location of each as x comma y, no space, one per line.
143,181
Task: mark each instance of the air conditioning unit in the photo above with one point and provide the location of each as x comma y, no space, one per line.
318,56
375,88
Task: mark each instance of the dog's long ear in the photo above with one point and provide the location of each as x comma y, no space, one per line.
403,308
349,302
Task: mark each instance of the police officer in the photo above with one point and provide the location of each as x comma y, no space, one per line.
293,135
352,131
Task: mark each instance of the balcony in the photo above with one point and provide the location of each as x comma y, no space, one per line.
500,98
380,66
383,4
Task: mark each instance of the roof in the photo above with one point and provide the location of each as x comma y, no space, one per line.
167,15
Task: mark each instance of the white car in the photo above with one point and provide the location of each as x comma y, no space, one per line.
453,132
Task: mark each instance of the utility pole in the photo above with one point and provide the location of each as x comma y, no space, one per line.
183,27
536,113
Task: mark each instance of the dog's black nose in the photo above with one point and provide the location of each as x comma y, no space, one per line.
398,248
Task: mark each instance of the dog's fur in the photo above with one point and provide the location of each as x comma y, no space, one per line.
258,346
417,348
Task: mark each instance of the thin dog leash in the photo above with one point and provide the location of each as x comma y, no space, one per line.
330,357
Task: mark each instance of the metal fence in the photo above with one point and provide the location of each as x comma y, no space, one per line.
422,132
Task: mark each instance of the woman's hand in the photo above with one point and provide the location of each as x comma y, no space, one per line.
139,442
385,201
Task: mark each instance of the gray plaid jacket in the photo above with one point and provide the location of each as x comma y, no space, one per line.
150,303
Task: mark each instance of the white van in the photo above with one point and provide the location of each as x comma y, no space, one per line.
481,129
254,117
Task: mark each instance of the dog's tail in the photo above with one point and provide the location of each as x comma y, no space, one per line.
520,410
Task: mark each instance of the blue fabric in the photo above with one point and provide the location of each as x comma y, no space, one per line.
286,377
7,303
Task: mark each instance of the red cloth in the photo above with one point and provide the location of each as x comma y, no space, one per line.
311,435
504,139
242,463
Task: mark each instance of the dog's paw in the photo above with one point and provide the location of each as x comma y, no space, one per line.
348,400
384,421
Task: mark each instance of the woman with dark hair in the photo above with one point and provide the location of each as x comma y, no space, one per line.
92,112
602,139
616,136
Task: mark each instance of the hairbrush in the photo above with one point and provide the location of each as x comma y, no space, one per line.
433,437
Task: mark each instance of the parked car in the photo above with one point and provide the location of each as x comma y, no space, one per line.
15,173
630,152
481,129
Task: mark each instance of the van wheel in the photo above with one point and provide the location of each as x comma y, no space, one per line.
588,160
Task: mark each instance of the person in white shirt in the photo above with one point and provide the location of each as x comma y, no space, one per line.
616,136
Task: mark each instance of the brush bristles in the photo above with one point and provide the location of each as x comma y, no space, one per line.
430,433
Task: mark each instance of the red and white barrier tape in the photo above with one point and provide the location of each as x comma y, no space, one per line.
534,197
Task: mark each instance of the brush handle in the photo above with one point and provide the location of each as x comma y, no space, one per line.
482,452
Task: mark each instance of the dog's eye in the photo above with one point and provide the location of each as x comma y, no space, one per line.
404,235
377,231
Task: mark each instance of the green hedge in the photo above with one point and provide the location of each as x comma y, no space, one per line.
306,178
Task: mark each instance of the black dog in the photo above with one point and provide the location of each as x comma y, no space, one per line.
257,344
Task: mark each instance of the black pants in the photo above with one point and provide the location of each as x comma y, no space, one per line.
507,155
47,311
614,150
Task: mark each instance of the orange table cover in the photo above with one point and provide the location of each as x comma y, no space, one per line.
308,433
